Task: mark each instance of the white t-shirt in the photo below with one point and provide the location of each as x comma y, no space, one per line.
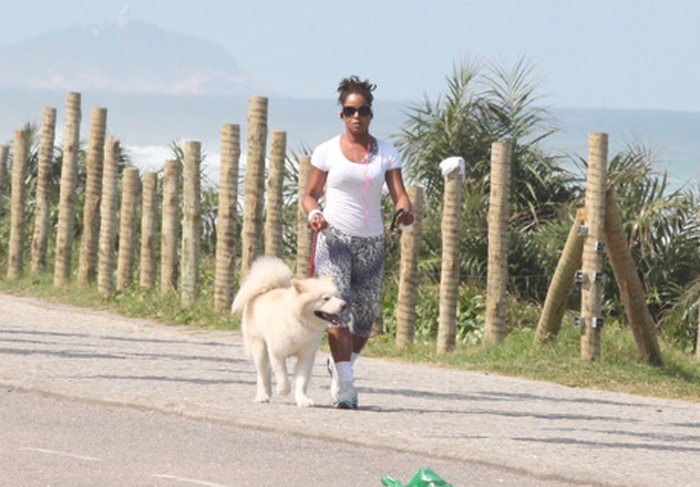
354,190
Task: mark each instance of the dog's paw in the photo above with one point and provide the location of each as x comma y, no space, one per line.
262,398
283,388
304,402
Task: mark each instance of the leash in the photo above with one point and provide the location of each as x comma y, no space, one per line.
313,253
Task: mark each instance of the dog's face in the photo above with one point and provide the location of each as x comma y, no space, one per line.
319,300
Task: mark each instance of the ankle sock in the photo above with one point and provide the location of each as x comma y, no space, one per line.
344,370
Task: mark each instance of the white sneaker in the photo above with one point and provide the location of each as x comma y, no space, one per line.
343,393
346,396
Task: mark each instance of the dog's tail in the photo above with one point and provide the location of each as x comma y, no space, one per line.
265,274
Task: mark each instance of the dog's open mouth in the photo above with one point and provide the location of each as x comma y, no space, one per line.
333,319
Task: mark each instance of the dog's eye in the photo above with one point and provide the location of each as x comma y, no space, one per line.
326,297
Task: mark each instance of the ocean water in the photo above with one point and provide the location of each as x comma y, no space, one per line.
147,125
672,137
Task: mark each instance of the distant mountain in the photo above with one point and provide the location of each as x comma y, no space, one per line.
132,57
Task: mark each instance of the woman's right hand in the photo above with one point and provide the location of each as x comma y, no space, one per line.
314,189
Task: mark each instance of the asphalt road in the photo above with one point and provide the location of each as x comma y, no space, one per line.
49,441
174,405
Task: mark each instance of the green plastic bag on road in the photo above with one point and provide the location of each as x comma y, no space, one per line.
424,478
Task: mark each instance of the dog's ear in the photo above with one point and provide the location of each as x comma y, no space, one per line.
298,285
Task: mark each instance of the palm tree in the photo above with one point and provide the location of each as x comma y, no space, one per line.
484,104
450,126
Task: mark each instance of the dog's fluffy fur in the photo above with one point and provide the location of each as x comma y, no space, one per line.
284,317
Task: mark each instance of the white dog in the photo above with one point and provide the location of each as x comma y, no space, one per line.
284,317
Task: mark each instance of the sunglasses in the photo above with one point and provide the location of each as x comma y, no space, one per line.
364,111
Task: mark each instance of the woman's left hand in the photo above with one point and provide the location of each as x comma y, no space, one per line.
406,217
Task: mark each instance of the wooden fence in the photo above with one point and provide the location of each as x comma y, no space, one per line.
179,259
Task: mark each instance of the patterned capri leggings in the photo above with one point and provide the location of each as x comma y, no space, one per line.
357,267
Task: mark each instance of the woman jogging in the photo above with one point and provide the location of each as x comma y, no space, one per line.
354,166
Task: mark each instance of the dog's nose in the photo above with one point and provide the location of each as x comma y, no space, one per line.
344,305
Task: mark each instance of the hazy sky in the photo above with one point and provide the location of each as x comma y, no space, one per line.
588,53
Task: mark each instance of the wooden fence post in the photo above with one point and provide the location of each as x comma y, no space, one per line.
449,278
562,283
108,216
495,327
304,233
592,260
127,228
251,237
631,288
19,195
408,274
275,187
149,230
226,218
697,339
4,156
191,223
42,213
170,229
87,267
66,208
